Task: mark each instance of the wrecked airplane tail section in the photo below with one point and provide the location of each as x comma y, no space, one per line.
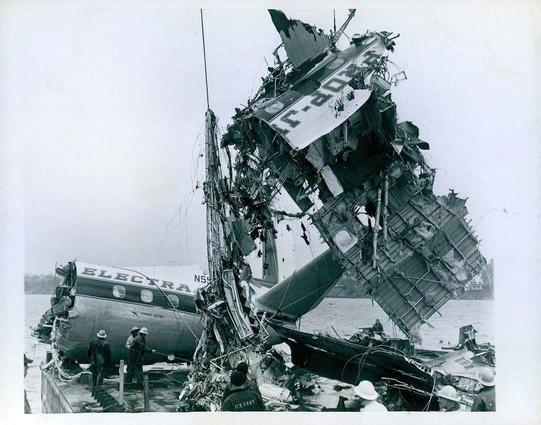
323,127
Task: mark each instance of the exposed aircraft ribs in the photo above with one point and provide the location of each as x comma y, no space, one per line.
324,128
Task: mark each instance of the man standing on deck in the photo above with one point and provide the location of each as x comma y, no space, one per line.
133,333
135,357
99,353
486,397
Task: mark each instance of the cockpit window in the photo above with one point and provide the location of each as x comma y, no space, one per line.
146,296
119,291
173,299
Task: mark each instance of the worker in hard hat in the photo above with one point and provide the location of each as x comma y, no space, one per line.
366,391
135,357
99,353
449,400
485,401
133,333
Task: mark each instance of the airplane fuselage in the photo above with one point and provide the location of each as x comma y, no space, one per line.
115,300
170,331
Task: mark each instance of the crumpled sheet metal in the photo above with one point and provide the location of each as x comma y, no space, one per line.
306,112
413,251
460,367
430,255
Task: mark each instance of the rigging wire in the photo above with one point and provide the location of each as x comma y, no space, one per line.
204,58
184,204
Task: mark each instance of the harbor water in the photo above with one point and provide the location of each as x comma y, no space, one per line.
335,316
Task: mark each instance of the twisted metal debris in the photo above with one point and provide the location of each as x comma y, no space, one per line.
323,127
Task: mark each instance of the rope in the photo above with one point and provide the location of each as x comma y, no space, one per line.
427,405
204,58
166,298
176,357
372,350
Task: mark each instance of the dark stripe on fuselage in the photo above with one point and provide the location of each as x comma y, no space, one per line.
104,289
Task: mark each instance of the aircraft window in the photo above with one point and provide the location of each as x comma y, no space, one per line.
146,296
173,299
119,291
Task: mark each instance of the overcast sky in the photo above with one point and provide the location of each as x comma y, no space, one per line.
108,102
102,107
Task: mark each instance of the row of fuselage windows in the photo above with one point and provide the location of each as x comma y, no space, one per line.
146,295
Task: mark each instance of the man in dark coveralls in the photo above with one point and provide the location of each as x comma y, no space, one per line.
100,355
135,357
242,367
242,398
377,327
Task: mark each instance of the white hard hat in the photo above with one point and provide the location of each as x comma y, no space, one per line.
486,377
366,390
135,328
101,334
448,392
143,331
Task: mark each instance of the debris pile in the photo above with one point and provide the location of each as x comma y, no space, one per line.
323,126
236,215
332,139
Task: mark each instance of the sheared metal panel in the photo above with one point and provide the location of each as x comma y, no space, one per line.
430,256
438,268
